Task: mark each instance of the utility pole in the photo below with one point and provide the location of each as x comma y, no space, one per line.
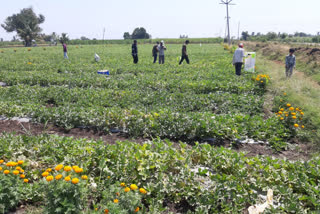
104,30
227,3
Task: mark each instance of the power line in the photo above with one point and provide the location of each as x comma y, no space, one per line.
227,3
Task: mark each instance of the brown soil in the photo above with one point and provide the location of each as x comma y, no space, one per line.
37,129
301,152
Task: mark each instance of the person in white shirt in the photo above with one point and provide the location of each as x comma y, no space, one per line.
238,59
161,49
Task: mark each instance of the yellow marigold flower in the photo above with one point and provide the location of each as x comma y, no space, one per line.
0,168
282,109
123,184
1,161
20,162
294,117
278,115
117,193
143,191
296,125
78,170
288,104
261,81
116,201
45,174
293,113
137,210
74,167
108,177
67,178
6,172
67,168
16,172
281,118
257,79
58,177
280,112
18,168
106,211
22,176
75,180
59,167
291,109
301,113
49,170
26,180
49,178
287,115
21,170
284,93
133,187
302,126
297,109
84,177
127,189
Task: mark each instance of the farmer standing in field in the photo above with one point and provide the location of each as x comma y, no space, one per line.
155,52
184,53
161,49
290,63
135,52
238,59
65,51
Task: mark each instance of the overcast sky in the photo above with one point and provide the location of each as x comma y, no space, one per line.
167,18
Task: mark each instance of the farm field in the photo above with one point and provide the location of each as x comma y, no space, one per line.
163,104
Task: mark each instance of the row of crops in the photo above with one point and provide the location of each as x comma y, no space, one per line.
155,177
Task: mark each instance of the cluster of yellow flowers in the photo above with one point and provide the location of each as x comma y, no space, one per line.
2,51
132,187
29,63
29,49
262,77
291,114
58,175
13,167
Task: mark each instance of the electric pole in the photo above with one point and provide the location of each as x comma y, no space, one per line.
104,30
227,3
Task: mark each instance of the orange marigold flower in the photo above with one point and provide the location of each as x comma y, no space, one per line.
84,177
137,209
59,167
75,180
49,170
58,177
302,126
20,162
22,176
67,178
116,201
1,161
16,172
143,191
291,108
67,168
106,211
288,104
26,180
0,168
6,172
133,187
127,189
123,184
296,125
49,178
45,174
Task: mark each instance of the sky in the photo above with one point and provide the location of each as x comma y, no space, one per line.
167,18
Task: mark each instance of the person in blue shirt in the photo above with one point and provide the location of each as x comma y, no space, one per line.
290,63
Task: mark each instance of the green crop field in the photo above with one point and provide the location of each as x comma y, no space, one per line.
162,104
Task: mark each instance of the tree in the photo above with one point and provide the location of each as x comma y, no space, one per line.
245,35
126,35
26,24
84,38
283,35
271,35
140,33
64,38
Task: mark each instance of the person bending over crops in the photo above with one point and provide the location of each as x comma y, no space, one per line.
238,59
65,51
290,63
155,52
161,49
135,52
184,53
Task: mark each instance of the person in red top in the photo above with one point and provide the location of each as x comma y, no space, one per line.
65,52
